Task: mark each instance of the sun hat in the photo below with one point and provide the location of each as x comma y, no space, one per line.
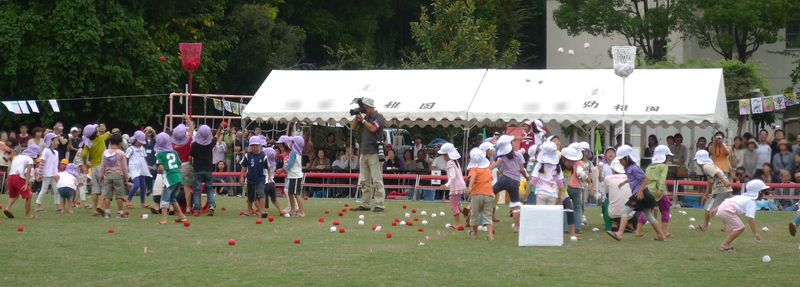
627,151
256,140
88,132
203,136
660,154
64,161
74,129
571,154
450,150
48,139
139,137
179,135
585,146
477,158
548,153
283,139
617,167
368,102
486,146
163,143
702,157
754,187
271,157
504,145
72,169
576,146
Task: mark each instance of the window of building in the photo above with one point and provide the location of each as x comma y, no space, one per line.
793,34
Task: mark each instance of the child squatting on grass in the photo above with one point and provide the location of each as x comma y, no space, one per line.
20,180
480,192
730,209
169,160
718,188
641,200
455,180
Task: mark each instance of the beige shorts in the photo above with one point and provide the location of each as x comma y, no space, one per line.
187,170
113,186
481,207
545,200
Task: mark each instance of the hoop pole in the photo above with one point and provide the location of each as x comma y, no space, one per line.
190,95
623,110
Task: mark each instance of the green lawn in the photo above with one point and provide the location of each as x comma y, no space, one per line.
76,250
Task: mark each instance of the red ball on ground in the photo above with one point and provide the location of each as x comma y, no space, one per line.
327,211
20,228
259,221
335,222
111,230
271,218
127,213
460,228
414,210
421,229
322,219
416,218
397,219
305,197
409,223
297,241
405,206
373,227
231,242
394,223
344,209
389,235
341,229
223,209
241,213
341,214
187,224
346,205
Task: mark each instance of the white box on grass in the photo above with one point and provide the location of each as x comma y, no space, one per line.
541,225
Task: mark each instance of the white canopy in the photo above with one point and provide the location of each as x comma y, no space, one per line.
693,97
403,97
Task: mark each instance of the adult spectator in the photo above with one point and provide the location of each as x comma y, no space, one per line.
219,150
221,167
23,137
330,147
785,204
392,161
321,161
439,163
408,160
37,138
652,143
370,179
750,158
720,152
308,159
418,146
62,141
778,136
74,143
796,146
679,151
309,153
150,155
422,161
346,161
763,149
784,159
737,153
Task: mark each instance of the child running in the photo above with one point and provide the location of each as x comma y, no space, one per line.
294,174
67,186
745,204
480,193
49,171
171,164
641,200
512,165
657,183
20,180
254,164
137,167
269,188
113,175
94,145
455,180
718,188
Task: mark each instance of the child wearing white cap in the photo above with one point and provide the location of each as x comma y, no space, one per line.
513,166
718,188
641,199
730,209
480,192
455,180
571,158
657,184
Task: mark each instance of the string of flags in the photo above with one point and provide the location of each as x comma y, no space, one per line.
28,107
767,104
228,106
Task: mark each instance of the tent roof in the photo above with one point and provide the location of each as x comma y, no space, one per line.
693,97
403,97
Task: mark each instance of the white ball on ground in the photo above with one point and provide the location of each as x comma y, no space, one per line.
333,228
765,229
573,238
360,222
448,225
145,216
483,228
766,259
691,227
433,215
423,213
441,213
512,225
424,222
407,215
286,215
402,223
361,217
377,228
595,229
691,219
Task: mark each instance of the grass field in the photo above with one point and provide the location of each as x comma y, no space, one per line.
76,250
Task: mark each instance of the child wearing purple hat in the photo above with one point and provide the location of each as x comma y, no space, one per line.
67,185
171,163
201,155
114,175
94,145
49,171
20,179
254,164
294,174
138,170
181,143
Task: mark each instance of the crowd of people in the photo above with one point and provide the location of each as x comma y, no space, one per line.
175,168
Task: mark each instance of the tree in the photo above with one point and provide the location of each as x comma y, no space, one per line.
736,29
449,35
645,24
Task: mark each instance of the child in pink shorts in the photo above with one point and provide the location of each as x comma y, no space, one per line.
745,204
455,180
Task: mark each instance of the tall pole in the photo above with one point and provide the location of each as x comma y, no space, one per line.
623,110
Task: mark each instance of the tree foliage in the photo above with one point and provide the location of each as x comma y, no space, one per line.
449,35
645,24
736,29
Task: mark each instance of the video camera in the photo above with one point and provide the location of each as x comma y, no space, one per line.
360,109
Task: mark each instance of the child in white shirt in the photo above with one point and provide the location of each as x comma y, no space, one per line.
67,186
745,204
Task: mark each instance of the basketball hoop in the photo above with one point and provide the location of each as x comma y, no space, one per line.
624,63
190,60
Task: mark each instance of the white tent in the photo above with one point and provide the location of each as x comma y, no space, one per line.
692,97
403,97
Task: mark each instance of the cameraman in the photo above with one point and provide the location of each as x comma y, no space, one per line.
370,179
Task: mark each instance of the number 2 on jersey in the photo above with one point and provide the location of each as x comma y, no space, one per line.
172,162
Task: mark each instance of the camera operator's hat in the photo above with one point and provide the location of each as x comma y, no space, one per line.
368,102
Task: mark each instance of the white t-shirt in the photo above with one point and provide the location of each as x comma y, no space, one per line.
547,182
763,155
744,205
137,163
158,184
439,163
19,164
66,179
617,197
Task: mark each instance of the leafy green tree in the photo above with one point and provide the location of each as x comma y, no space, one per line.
449,35
736,29
645,24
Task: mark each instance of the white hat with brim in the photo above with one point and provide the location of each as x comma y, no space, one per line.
486,146
548,153
754,187
627,151
617,167
368,102
477,158
701,157
576,146
660,154
450,150
571,154
584,146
